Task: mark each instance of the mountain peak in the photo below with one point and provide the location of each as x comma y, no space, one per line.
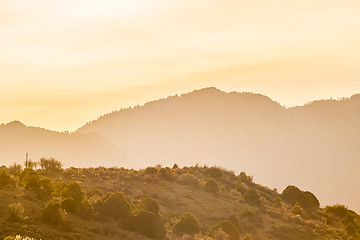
15,124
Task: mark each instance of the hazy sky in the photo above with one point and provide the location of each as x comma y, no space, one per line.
65,62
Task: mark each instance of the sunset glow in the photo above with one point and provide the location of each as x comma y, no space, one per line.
63,63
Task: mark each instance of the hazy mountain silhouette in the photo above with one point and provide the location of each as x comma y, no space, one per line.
315,146
79,149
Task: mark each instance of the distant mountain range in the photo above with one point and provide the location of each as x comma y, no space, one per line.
315,146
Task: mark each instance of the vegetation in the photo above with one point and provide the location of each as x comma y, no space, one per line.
187,224
161,203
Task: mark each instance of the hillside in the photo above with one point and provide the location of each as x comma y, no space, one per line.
117,203
79,149
315,146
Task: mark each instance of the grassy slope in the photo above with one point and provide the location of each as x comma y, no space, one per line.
267,223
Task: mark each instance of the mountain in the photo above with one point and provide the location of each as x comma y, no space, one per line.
76,149
315,146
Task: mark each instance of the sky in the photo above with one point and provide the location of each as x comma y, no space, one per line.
65,62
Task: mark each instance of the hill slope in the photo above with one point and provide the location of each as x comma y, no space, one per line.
80,149
315,146
99,210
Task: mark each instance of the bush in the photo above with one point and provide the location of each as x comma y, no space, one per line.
170,217
52,213
214,172
187,224
73,190
85,209
337,210
30,179
277,202
211,186
246,237
167,174
245,179
239,186
151,170
16,212
68,204
15,169
116,205
297,210
50,164
5,178
46,188
94,191
252,197
59,188
150,204
189,179
306,200
219,234
147,224
248,213
228,227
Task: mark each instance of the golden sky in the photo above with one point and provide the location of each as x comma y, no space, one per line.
65,62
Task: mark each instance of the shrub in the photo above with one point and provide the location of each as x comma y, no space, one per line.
73,190
175,166
59,188
248,213
245,179
116,205
16,212
189,179
306,200
50,164
219,234
30,179
187,224
239,186
5,178
228,227
214,172
211,186
68,204
15,169
297,210
147,224
337,210
46,188
94,191
52,213
277,202
85,209
151,170
150,204
252,197
170,217
246,237
167,174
